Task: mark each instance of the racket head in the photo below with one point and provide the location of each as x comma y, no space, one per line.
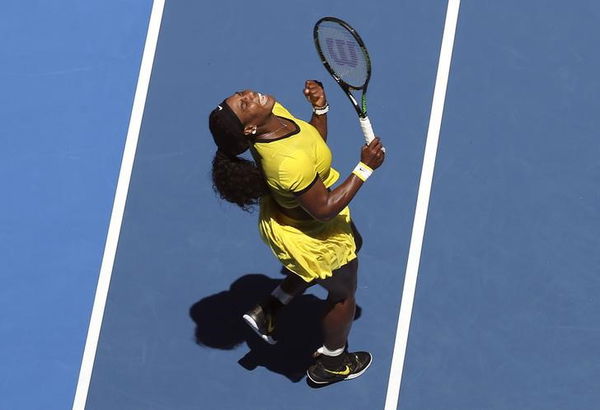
342,52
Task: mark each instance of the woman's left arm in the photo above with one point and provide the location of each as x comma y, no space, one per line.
315,94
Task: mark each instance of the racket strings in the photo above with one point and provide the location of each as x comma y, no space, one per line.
343,53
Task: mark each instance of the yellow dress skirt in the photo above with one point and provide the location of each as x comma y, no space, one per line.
309,248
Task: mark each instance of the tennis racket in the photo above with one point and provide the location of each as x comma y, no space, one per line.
345,56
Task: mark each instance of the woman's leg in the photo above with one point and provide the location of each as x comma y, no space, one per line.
341,305
334,363
262,317
293,285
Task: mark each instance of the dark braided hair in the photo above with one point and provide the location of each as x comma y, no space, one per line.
235,179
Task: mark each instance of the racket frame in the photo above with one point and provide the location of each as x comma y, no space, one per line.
361,108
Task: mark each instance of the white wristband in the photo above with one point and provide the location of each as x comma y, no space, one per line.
362,171
321,110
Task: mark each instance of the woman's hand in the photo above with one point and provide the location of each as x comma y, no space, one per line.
373,154
322,204
314,93
313,90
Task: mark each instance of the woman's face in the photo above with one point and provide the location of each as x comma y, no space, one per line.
251,107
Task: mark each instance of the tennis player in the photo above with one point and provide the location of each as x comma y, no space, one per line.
302,219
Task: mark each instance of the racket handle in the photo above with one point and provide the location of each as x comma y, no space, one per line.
367,129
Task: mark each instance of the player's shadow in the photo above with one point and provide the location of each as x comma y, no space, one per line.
219,325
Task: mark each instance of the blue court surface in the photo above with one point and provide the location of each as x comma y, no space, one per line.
506,308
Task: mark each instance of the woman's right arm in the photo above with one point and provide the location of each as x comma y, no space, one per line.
323,204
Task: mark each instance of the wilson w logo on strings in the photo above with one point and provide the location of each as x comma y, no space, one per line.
343,52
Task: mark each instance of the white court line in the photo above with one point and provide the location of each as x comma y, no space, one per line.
416,241
114,229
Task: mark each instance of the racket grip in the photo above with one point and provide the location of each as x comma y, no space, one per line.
367,129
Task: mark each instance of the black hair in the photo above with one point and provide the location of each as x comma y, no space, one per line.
235,179
238,180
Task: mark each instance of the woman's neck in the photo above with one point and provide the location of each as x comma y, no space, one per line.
275,127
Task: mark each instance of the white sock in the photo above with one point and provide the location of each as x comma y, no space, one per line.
281,296
332,353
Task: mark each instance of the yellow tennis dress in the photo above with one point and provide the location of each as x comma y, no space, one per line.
291,164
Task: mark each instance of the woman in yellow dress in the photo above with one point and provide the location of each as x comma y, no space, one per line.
304,221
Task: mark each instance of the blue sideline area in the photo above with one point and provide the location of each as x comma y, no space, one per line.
68,74
505,315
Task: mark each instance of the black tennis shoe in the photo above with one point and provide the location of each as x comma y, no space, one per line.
352,366
262,321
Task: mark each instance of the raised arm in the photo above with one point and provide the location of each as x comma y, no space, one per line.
313,90
324,205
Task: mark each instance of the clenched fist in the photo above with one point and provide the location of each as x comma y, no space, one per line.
313,90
